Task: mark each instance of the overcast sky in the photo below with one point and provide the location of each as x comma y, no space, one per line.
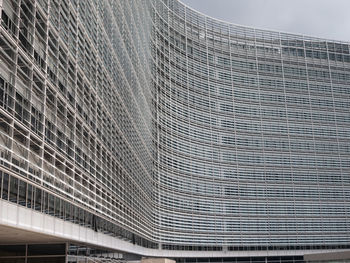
320,18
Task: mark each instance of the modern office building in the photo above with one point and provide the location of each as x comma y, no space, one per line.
144,128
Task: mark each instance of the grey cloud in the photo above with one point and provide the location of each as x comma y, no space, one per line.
320,18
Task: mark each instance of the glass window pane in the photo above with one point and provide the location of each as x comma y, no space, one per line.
13,189
22,193
38,201
0,182
29,196
5,186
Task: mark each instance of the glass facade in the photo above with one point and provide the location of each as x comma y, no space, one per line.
159,125
76,110
253,134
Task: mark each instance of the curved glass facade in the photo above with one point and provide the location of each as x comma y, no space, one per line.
169,129
75,112
253,133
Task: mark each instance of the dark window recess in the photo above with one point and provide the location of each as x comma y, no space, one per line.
46,249
12,250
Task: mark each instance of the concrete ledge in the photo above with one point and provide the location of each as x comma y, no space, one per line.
157,260
19,224
329,256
